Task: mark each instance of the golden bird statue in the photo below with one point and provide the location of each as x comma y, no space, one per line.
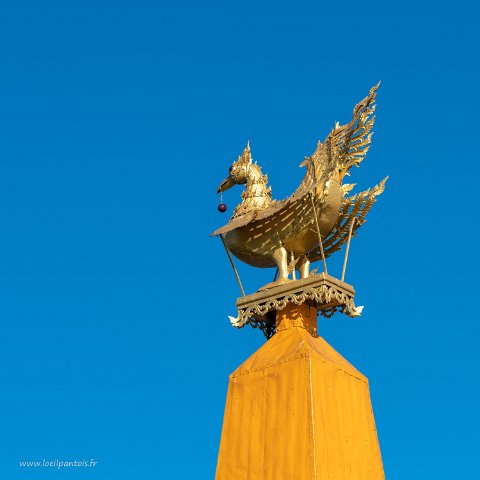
318,218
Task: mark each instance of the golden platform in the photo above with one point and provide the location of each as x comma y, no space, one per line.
322,291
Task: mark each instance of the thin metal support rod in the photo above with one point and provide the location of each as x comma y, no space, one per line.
348,248
292,261
319,236
232,264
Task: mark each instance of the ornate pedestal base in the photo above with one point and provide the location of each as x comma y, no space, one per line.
297,410
324,292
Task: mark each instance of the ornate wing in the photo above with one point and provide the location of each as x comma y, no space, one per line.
354,209
344,147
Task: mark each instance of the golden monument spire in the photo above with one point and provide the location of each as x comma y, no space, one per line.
296,409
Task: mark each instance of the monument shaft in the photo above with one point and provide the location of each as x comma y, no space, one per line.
296,409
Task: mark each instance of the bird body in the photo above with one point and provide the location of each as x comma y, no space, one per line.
291,226
316,218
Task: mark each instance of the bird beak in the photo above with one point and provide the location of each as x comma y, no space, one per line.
225,185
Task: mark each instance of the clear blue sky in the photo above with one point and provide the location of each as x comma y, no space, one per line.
117,122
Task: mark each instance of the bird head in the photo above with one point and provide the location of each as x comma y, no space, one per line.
238,171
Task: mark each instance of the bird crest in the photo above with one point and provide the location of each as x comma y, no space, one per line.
245,158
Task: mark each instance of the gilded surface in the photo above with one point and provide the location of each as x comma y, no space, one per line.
267,233
325,293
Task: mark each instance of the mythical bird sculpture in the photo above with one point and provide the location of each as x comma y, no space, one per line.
290,234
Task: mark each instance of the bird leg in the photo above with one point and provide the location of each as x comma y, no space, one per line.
281,259
304,267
